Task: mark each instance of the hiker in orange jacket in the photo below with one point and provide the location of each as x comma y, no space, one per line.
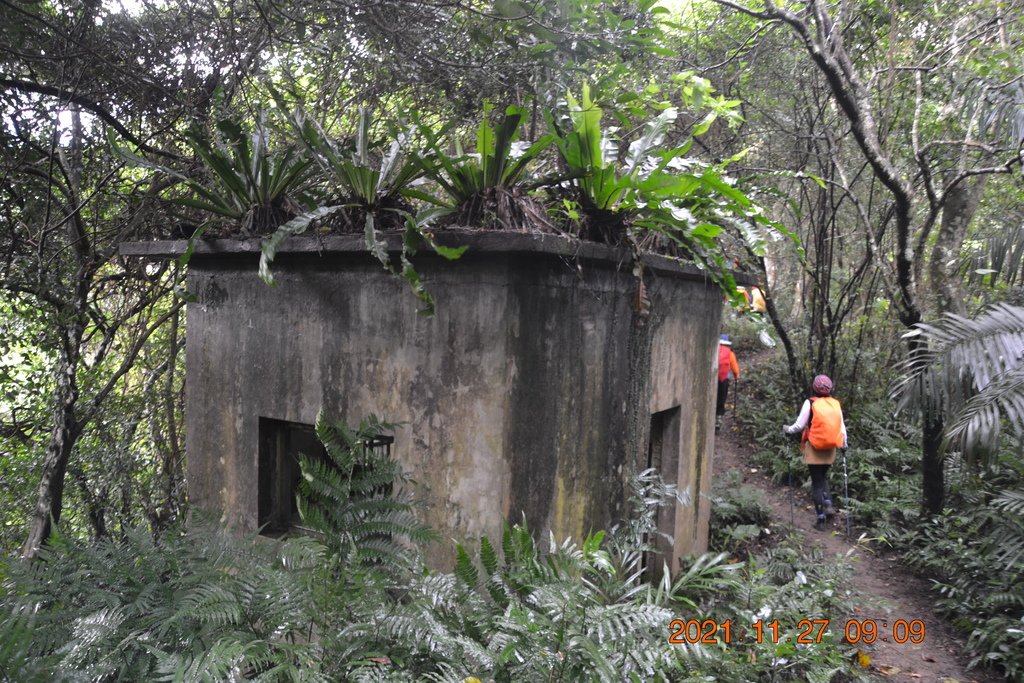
822,430
727,366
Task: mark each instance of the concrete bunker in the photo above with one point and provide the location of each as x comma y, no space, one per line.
533,391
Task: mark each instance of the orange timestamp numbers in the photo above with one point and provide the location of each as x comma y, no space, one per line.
808,631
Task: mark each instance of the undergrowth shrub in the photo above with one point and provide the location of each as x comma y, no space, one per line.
974,555
739,515
786,584
195,605
745,329
201,605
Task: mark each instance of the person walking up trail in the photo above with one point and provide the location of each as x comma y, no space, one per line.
728,367
823,430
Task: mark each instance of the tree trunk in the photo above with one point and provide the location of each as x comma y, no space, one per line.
796,377
933,478
961,204
66,429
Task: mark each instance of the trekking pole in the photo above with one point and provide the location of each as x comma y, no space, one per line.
792,517
846,494
735,399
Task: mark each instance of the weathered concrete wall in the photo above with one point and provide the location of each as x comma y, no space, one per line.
681,353
529,392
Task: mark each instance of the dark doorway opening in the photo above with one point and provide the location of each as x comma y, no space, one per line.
281,443
663,457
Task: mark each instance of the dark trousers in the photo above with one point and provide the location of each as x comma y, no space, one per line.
819,487
723,392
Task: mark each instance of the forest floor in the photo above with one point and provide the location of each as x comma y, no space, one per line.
887,591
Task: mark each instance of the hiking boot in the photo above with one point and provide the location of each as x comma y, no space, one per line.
718,424
830,512
820,522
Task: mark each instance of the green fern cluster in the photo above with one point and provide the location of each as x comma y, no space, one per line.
355,603
196,606
358,497
787,583
519,614
975,556
584,612
739,515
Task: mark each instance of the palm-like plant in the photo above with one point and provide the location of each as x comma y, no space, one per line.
970,371
249,183
368,182
589,158
368,196
484,188
655,199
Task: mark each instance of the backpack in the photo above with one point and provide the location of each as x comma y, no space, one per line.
723,362
825,430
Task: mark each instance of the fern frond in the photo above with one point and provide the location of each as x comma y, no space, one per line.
971,371
619,622
212,604
464,567
352,497
218,663
1010,501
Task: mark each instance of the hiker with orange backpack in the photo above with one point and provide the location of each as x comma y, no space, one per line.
727,366
822,431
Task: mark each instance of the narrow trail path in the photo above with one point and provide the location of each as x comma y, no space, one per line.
887,591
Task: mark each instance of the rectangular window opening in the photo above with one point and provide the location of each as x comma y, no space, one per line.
663,456
281,443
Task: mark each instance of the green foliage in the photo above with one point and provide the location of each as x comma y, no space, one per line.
974,553
765,407
996,260
355,497
655,198
748,331
189,606
970,371
369,196
248,182
739,515
575,612
599,186
484,189
789,585
652,198
370,187
203,606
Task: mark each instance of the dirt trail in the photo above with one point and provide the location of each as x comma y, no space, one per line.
888,591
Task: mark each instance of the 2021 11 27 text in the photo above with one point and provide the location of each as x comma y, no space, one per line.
807,631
